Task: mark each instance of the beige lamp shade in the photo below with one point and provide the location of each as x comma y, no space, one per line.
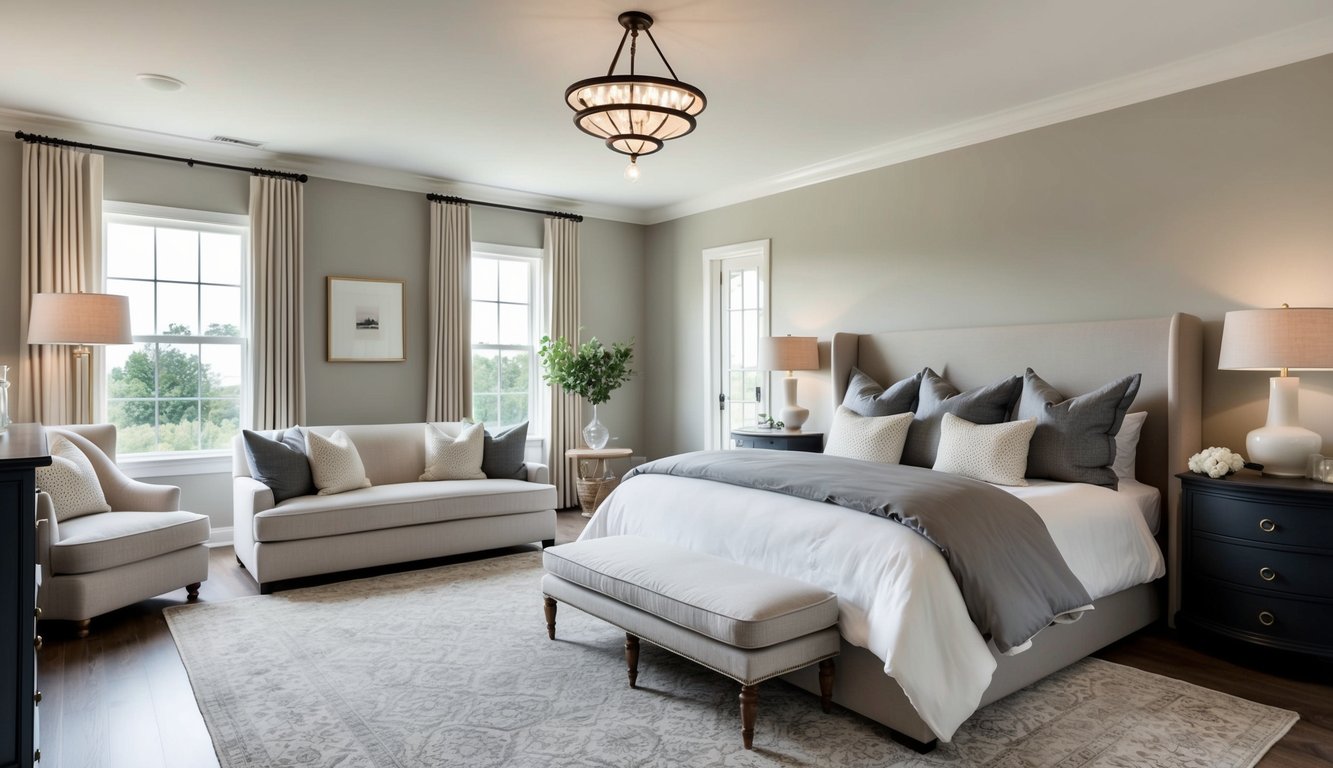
79,318
1298,338
789,353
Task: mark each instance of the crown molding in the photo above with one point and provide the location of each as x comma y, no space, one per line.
1278,49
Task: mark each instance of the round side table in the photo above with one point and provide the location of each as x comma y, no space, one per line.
590,465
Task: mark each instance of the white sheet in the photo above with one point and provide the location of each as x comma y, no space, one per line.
896,596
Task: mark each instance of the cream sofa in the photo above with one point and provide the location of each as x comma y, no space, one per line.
398,519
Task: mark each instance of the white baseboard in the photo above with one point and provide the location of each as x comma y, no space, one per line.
221,538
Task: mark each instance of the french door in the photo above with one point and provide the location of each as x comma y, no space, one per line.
737,318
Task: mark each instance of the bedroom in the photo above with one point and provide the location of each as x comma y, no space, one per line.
1214,198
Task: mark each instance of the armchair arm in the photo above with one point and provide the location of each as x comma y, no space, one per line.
538,473
47,530
123,492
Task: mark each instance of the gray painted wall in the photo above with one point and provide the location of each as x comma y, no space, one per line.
1214,199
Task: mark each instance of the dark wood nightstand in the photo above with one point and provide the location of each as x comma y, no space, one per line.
1257,561
779,440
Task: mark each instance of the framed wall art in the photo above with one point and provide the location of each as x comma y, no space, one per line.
366,321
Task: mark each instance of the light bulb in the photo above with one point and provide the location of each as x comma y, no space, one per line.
632,170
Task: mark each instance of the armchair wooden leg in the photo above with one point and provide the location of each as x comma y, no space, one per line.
550,605
749,708
632,659
82,630
192,591
826,685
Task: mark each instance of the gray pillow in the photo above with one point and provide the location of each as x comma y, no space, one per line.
984,405
1075,437
865,396
502,455
280,464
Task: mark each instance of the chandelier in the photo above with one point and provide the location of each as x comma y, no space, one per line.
635,113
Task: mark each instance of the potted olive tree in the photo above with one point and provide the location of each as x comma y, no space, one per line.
591,371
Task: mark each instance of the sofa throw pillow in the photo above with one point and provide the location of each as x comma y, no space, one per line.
279,462
991,453
866,397
868,438
502,453
984,405
1127,445
1075,437
71,482
455,456
335,464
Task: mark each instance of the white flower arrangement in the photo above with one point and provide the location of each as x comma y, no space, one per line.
1216,462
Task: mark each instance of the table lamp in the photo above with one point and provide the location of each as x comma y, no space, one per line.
790,353
1285,339
83,320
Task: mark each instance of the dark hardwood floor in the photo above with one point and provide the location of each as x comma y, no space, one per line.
121,698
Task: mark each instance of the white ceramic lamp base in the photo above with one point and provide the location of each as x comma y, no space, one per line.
793,416
1282,445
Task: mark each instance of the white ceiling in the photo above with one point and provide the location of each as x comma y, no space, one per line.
468,96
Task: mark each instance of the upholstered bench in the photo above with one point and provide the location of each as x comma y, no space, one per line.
745,623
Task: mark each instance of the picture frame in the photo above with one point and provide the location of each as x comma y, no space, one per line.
366,320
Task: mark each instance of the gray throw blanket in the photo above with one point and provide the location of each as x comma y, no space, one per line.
1013,579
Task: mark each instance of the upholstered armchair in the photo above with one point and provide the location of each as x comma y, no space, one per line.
99,562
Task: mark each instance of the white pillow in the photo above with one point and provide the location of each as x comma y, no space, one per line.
868,438
71,482
1127,444
334,463
454,456
991,453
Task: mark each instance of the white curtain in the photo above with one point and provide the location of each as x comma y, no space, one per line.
61,245
449,385
277,257
562,253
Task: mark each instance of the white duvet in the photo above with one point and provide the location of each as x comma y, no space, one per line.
896,596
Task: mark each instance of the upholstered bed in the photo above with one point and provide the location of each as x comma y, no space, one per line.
1075,358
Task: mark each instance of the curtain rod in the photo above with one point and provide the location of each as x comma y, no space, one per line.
35,139
434,198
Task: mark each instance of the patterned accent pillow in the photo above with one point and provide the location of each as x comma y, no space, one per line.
502,453
454,457
280,463
335,463
1075,437
868,438
71,482
866,397
984,405
991,453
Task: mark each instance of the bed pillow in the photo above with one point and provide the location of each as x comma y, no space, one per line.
991,453
866,397
280,463
335,464
868,438
1127,445
71,482
454,456
1075,437
502,453
984,405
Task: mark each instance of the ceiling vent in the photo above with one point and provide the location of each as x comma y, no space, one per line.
238,142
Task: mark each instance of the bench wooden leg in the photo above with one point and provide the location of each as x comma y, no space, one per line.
826,685
749,708
632,659
550,617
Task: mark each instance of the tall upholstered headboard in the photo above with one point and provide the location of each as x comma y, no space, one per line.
1074,358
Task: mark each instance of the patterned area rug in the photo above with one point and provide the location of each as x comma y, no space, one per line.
451,667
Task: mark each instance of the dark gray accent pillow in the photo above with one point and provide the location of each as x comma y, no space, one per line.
865,396
984,405
280,464
1075,437
502,456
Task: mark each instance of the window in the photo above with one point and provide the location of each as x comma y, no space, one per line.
506,323
182,385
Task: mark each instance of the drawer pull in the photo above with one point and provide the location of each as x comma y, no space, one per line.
37,698
1266,618
1267,574
37,643
37,613
1267,526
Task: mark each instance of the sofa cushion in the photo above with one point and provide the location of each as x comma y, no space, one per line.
398,505
97,542
454,454
335,463
502,455
279,462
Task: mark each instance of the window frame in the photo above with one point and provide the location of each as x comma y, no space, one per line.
207,460
538,322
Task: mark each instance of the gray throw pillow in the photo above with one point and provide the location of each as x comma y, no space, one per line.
280,464
1075,437
502,456
865,396
984,405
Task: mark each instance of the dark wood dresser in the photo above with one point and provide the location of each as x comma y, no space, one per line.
778,440
22,450
1258,561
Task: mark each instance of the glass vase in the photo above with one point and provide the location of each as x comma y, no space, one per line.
4,397
596,434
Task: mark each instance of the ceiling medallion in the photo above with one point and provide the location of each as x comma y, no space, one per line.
635,113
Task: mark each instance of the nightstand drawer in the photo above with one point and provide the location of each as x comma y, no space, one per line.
1277,619
1296,573
1263,521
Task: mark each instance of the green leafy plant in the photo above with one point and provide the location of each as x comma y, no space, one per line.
590,371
